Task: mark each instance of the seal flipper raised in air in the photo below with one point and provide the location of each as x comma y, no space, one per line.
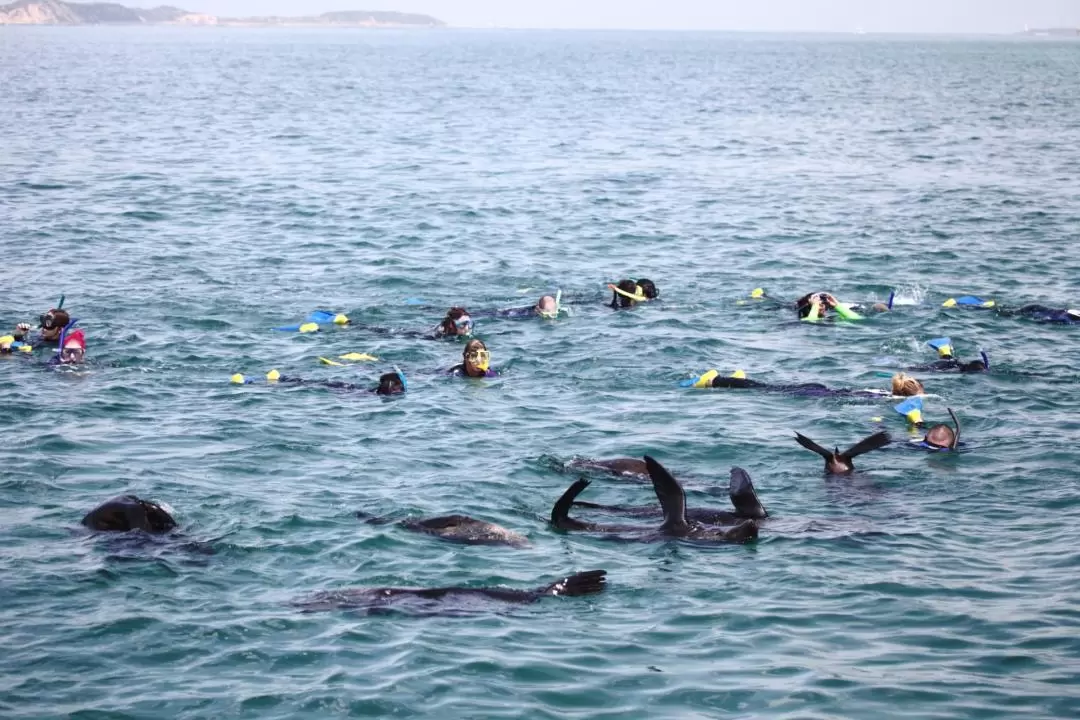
743,496
672,498
840,462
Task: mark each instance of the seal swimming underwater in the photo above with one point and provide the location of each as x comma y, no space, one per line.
672,500
740,491
839,463
128,512
583,583
457,528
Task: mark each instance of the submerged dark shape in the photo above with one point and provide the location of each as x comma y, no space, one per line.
630,468
583,583
672,500
458,528
740,490
128,512
839,463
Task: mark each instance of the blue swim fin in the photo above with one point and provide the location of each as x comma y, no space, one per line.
288,328
943,345
321,316
414,301
911,409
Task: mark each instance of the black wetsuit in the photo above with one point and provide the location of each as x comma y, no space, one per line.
802,389
1042,313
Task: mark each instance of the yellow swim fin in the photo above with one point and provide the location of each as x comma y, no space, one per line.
705,380
328,361
358,357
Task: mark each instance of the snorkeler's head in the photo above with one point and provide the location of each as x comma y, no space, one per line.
973,366
547,306
626,298
53,322
804,304
457,322
905,385
74,348
476,358
648,288
940,436
391,383
879,307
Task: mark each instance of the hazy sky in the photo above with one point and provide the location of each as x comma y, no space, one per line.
799,15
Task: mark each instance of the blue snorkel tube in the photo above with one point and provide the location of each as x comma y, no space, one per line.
55,359
892,296
401,376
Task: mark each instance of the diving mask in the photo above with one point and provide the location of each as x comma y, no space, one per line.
479,358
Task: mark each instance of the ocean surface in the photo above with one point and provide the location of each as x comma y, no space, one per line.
187,190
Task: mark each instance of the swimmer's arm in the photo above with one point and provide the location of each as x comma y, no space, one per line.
846,312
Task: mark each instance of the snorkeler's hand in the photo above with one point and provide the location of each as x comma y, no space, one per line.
21,329
828,299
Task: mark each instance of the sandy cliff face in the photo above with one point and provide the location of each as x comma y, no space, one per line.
44,12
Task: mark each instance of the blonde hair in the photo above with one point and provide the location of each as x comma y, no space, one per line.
905,385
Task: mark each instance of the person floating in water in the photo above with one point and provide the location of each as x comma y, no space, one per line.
547,307
50,326
72,350
938,437
947,361
1044,314
475,362
629,293
902,385
9,345
457,323
817,306
392,383
1033,311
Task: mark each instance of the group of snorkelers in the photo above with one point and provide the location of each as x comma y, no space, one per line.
56,330
457,323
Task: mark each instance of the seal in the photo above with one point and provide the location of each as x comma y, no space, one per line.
457,528
128,512
839,463
375,599
672,500
740,490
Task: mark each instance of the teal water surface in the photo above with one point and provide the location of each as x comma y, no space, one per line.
190,189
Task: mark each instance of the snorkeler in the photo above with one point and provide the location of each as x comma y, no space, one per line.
392,383
50,326
1042,313
947,361
547,307
822,305
902,385
73,349
457,323
941,436
629,293
475,362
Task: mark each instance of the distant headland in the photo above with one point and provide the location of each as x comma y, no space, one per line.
57,12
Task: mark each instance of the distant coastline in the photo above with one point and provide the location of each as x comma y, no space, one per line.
58,12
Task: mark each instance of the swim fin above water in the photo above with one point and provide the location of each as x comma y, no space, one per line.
314,320
911,409
943,345
968,301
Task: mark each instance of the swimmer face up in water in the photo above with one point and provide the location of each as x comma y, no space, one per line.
476,359
456,322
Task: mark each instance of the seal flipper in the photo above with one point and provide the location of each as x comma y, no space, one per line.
560,513
872,442
671,496
583,583
743,496
813,446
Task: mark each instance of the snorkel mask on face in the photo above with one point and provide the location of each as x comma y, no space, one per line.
479,358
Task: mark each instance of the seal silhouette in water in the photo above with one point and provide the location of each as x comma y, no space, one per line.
457,528
672,500
127,512
740,490
583,583
839,463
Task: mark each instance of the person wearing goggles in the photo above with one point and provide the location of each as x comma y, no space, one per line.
475,361
50,326
74,349
457,323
